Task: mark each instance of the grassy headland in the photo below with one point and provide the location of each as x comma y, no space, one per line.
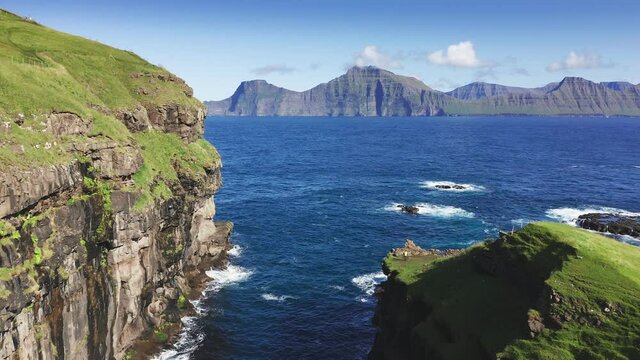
491,300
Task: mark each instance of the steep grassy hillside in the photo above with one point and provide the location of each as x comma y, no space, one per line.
549,291
44,72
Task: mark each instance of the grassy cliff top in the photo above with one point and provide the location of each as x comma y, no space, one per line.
43,70
584,287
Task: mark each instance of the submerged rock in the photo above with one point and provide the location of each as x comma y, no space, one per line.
409,209
611,223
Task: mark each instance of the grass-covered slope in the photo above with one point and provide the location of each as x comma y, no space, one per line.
43,69
43,72
491,300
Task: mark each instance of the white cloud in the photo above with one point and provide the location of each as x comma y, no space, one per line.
370,55
281,69
457,55
576,60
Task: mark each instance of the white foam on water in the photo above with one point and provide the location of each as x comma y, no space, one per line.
190,336
441,211
235,251
569,215
272,297
636,166
230,275
337,287
467,187
367,284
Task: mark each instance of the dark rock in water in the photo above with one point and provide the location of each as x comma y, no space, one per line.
611,223
409,209
449,187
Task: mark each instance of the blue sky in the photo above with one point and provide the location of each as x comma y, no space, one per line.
297,44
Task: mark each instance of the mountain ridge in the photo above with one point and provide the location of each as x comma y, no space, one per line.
372,91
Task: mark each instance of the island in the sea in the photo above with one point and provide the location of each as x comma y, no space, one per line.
371,91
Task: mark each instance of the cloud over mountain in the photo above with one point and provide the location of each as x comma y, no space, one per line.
576,60
462,54
281,69
371,55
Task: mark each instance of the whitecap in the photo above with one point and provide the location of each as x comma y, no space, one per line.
272,297
190,337
435,185
367,284
441,211
235,251
230,275
569,215
188,341
636,166
337,287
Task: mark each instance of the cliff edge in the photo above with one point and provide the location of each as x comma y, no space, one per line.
106,197
548,291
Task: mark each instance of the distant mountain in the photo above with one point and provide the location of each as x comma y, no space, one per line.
370,91
362,91
480,90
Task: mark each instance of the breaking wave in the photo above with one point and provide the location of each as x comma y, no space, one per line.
191,336
441,211
569,215
367,284
272,297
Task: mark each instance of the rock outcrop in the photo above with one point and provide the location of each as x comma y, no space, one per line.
370,91
611,223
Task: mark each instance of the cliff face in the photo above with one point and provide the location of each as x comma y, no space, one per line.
106,197
527,295
369,91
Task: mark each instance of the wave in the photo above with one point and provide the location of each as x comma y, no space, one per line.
190,336
235,251
272,297
367,284
437,185
230,275
636,166
441,211
188,341
337,287
569,215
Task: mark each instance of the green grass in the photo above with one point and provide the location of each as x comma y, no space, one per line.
476,313
162,153
46,71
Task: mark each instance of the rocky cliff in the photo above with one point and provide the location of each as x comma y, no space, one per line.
548,291
106,197
370,91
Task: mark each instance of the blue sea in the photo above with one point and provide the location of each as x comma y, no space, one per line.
314,202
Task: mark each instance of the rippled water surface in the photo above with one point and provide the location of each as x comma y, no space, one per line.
314,204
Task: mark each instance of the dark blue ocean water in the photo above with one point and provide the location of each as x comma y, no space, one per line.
312,201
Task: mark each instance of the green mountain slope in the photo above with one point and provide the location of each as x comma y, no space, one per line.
549,291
